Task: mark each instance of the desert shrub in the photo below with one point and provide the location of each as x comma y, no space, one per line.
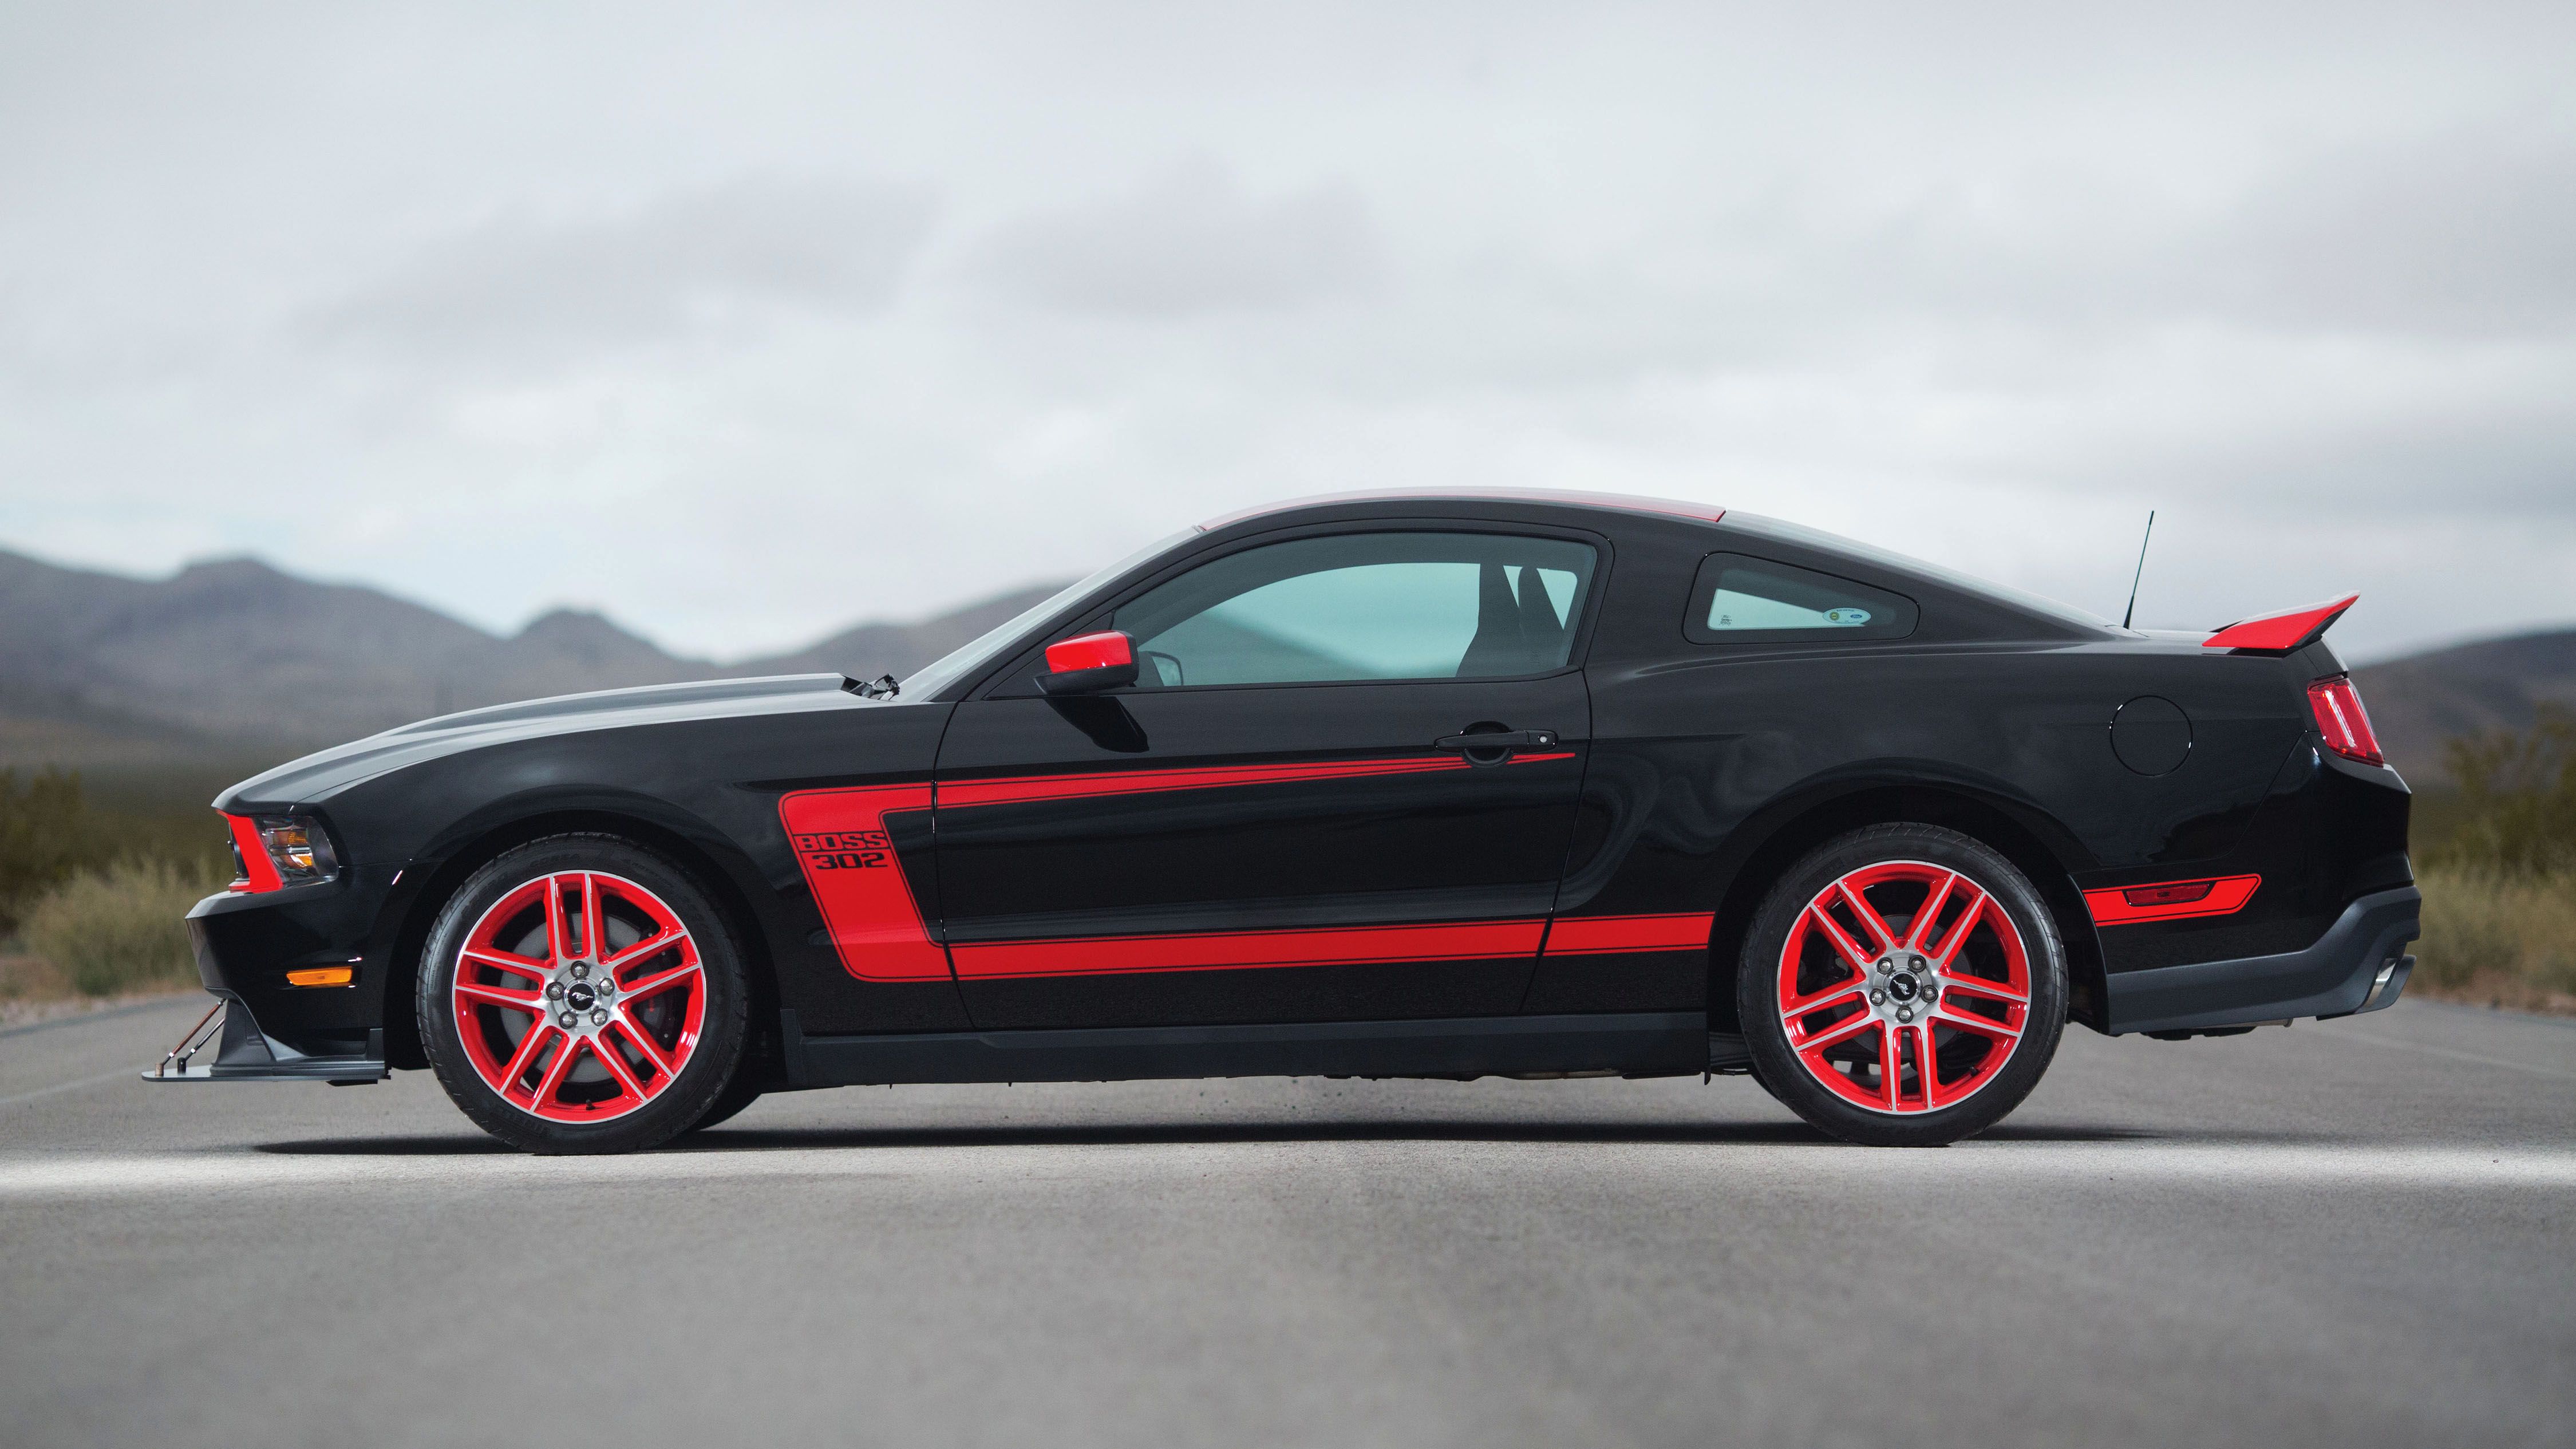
31,978
2497,934
119,929
2516,805
46,834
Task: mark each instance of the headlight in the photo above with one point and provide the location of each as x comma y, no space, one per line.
271,852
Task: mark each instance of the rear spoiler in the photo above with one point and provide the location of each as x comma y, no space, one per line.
2286,632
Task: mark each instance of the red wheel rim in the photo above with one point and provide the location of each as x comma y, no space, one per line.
1904,987
579,996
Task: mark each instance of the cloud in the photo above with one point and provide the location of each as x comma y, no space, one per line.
1978,286
532,289
1187,242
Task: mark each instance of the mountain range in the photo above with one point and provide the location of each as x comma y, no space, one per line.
235,658
100,668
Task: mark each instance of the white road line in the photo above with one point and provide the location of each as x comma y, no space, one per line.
121,1073
1738,1168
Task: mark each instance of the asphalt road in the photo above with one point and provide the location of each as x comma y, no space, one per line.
2349,1233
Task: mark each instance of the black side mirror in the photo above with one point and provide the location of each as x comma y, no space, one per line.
1089,664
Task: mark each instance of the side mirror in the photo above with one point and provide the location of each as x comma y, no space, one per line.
1089,664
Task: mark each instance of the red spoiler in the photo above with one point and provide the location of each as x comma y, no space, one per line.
2286,632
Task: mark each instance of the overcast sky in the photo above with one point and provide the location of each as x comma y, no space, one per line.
740,323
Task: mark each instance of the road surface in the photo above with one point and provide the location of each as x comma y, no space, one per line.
2348,1233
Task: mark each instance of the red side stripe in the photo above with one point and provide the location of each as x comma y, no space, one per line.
2225,897
841,845
1229,950
1602,935
877,929
955,794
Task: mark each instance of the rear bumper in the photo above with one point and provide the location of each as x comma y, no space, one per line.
2359,964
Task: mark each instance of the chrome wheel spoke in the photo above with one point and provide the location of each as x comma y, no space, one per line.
644,1044
528,1001
1842,1031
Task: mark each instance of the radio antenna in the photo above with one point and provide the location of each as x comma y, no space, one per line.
2142,570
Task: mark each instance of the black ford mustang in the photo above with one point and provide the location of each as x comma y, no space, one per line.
1437,786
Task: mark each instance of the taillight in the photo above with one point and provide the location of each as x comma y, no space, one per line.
2342,720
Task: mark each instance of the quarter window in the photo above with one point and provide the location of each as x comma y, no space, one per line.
1349,607
1738,599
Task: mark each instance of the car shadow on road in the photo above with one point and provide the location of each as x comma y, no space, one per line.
1168,1134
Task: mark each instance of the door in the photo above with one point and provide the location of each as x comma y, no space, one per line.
1290,816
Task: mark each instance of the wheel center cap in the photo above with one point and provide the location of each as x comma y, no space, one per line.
1901,986
581,997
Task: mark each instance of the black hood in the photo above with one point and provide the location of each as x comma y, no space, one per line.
317,776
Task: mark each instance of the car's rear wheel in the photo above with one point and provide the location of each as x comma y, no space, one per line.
581,994
1903,985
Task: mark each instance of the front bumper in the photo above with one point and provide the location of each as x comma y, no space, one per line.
2359,964
247,943
244,1053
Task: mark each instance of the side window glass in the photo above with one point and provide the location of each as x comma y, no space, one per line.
1364,606
1738,599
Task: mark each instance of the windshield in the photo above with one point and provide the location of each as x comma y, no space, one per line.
1817,538
986,648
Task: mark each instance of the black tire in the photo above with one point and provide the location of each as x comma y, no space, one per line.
677,1102
1962,1059
741,1092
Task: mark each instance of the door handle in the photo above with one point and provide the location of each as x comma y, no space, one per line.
1492,747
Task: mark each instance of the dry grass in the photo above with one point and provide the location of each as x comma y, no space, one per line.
119,930
2498,938
32,978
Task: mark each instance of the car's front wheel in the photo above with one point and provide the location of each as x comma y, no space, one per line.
1903,985
581,994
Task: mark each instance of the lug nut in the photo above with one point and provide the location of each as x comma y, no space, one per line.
607,985
599,1017
580,969
1905,1013
554,991
566,1020
1878,998
1917,963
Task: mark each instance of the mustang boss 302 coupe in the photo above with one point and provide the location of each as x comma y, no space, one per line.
1389,786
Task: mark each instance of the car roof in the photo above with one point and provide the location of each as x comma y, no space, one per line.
1559,497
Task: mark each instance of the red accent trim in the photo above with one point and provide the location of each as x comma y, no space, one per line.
877,928
957,794
259,873
840,842
1623,502
1602,935
1238,950
1090,651
2171,900
2283,632
2342,720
